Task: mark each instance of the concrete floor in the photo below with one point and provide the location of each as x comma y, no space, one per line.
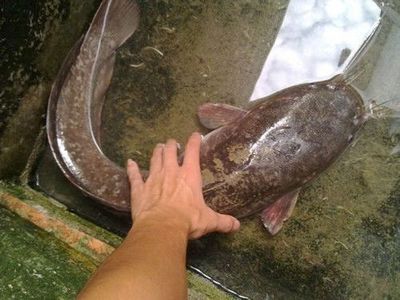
49,253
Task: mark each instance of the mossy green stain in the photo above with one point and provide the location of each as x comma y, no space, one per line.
59,211
35,265
198,287
382,238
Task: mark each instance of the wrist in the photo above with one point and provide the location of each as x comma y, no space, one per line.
162,221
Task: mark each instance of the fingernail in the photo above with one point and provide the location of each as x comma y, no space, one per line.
237,224
170,141
199,134
130,162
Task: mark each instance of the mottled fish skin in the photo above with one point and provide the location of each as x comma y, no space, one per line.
283,142
280,144
76,100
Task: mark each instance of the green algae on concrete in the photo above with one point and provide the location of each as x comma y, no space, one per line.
35,265
198,287
58,211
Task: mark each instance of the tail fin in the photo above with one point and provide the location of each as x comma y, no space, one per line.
115,21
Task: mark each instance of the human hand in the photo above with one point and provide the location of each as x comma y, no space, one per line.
173,192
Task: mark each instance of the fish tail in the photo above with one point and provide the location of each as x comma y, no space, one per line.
114,22
123,20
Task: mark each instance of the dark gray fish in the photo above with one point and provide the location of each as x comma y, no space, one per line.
76,100
260,159
254,160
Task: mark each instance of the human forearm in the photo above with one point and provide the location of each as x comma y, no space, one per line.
150,264
168,209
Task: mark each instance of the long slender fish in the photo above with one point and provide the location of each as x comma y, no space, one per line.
254,160
76,99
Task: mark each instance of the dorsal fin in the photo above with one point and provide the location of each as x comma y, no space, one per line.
214,115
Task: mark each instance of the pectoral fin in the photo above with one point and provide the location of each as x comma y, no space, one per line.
278,212
214,115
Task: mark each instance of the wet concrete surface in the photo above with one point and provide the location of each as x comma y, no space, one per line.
333,244
343,239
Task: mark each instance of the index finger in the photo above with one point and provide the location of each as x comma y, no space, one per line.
192,153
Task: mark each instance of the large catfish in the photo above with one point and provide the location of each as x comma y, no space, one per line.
255,160
258,159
